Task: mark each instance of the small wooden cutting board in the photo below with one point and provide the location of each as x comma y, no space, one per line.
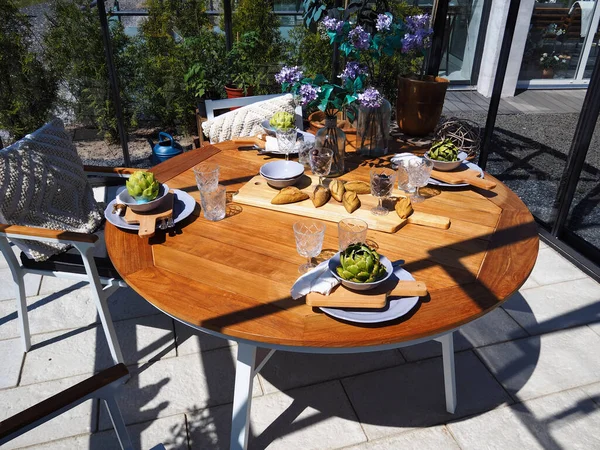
342,297
148,219
464,175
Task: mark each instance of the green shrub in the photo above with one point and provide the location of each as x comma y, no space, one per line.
205,77
257,16
27,87
75,52
311,51
164,52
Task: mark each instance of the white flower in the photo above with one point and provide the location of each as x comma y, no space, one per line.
545,54
564,61
556,58
541,59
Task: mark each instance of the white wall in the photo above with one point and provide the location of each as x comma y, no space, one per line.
493,43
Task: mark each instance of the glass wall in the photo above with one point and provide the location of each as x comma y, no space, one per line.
561,46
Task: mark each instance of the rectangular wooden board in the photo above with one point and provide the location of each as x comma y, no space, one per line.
257,192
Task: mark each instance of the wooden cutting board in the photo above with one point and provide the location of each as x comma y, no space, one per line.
463,175
342,297
147,220
257,192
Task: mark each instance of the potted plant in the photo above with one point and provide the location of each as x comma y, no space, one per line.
244,73
204,79
420,97
551,62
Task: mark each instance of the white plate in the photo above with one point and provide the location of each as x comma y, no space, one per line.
470,165
183,206
396,307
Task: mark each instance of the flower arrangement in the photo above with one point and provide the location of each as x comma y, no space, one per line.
554,61
363,51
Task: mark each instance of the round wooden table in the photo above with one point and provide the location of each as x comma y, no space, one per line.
232,278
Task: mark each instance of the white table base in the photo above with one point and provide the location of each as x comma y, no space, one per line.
247,368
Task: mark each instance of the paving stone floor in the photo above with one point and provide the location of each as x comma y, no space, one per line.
528,377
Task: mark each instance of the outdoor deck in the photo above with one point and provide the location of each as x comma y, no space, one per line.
525,102
528,376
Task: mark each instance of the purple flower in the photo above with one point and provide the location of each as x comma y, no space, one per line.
352,70
289,75
383,22
332,24
308,93
359,38
418,34
371,98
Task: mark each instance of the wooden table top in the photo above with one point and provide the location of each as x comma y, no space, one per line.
234,276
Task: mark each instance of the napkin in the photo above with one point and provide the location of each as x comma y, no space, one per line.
320,279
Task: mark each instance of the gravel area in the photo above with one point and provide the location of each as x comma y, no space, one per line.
530,155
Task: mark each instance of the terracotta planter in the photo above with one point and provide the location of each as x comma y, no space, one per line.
419,104
233,92
317,121
548,73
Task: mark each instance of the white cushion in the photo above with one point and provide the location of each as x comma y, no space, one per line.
246,121
42,184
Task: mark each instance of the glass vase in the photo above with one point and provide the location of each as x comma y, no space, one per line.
373,129
332,137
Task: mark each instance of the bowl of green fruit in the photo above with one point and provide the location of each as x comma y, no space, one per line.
445,155
142,192
360,268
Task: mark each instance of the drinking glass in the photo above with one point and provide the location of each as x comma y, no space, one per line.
213,203
309,242
207,176
382,184
351,231
286,141
320,162
403,179
304,148
419,171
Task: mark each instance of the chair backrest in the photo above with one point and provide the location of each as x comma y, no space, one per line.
215,105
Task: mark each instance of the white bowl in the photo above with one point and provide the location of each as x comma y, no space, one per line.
282,183
445,166
126,199
269,129
334,262
282,170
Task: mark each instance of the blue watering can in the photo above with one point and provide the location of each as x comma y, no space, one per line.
166,148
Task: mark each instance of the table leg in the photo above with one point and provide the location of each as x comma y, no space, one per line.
242,396
447,342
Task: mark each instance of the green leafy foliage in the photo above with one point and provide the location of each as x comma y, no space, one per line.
311,51
257,16
27,87
75,52
204,78
164,55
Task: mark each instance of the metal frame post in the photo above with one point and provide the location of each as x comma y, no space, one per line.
509,30
580,144
434,59
228,24
114,81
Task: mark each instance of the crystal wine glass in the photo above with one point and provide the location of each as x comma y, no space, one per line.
286,141
382,184
309,241
320,162
419,171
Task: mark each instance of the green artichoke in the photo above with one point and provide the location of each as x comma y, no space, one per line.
282,121
444,151
360,264
142,186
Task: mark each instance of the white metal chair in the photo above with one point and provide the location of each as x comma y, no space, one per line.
85,262
103,385
216,105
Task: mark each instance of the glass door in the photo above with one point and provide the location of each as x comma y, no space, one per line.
561,44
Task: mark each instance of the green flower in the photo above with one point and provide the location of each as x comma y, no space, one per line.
360,264
142,186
